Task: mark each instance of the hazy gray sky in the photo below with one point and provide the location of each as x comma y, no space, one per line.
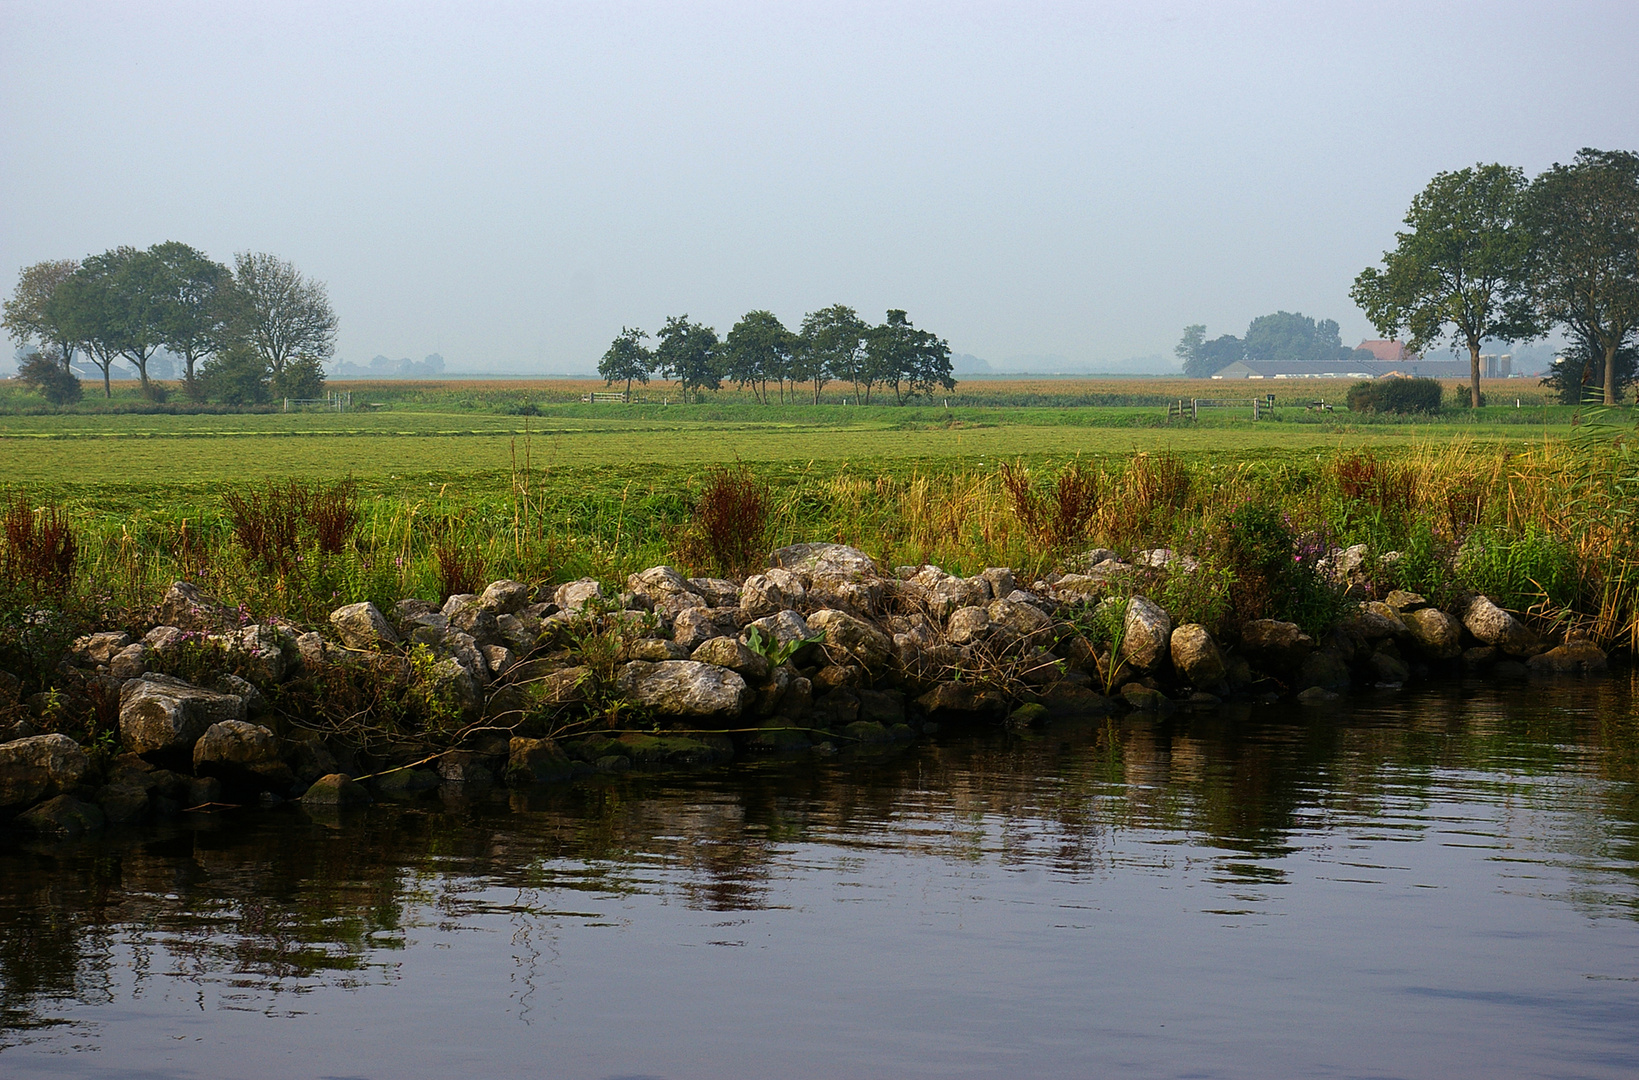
508,184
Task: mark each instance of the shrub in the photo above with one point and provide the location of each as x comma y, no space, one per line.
40,548
1064,516
276,522
1395,396
730,522
1274,568
46,376
302,378
459,571
235,376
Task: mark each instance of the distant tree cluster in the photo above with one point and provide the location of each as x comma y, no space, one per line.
1489,254
244,334
833,345
1283,336
1395,396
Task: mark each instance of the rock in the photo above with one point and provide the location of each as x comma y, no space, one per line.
310,758
1001,582
505,597
837,676
159,714
1196,656
1026,622
1166,559
1324,668
717,592
1067,700
311,648
363,626
455,645
962,698
130,662
945,594
498,659
241,755
40,765
783,628
520,633
1573,657
536,761
1080,588
471,619
185,607
1146,699
771,592
655,649
1317,695
1146,635
1481,656
1434,632
693,627
846,634
465,767
406,783
730,653
862,596
1274,645
770,693
1376,620
411,613
121,803
11,689
100,648
577,594
684,688
1402,601
64,817
335,792
886,707
968,625
660,583
1385,668
166,639
833,560
267,652
865,733
1492,625
452,686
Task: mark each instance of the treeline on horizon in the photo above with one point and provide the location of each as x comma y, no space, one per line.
244,334
833,345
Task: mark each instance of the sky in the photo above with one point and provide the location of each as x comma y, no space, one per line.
508,185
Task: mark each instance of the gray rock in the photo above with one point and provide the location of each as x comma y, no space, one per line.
577,594
452,684
846,635
730,653
945,594
184,606
693,627
1000,579
409,614
1197,656
505,597
100,648
1434,632
771,592
1080,588
1146,640
1402,601
241,754
968,625
661,582
520,633
160,714
962,698
1492,625
498,659
37,766
1324,668
534,761
130,662
475,621
837,560
1146,699
121,803
657,649
1317,695
1387,669
406,783
783,627
363,626
164,639
684,688
1275,646
717,592
1022,620
334,792
1376,620
63,817
268,652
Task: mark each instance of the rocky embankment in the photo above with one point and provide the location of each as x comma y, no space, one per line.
819,651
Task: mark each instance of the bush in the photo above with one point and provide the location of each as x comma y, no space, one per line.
729,530
46,377
302,378
1395,396
1064,516
235,376
1274,569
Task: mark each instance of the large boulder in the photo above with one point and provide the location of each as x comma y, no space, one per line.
825,560
363,626
847,634
968,625
99,648
729,652
452,687
1022,620
944,593
1435,633
1272,645
716,592
241,754
663,583
505,597
770,592
1491,625
1146,635
1080,588
684,688
694,626
1324,668
164,715
186,607
1001,582
1197,656
782,627
962,697
38,766
338,791
267,653
533,761
1572,658
577,594
1375,621
130,662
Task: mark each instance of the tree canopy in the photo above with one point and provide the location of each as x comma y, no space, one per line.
627,360
689,353
1461,269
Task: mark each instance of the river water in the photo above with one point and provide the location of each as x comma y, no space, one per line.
1433,884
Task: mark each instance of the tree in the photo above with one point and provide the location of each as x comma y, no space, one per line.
83,308
280,314
911,361
627,358
46,376
689,352
1462,269
1583,365
1189,351
195,318
136,306
833,346
757,349
1583,222
26,315
1294,338
302,379
235,375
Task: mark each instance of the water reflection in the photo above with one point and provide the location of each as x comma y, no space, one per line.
1244,817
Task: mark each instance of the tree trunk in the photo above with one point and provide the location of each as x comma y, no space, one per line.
1474,371
1610,373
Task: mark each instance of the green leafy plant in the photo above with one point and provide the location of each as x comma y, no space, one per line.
775,651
